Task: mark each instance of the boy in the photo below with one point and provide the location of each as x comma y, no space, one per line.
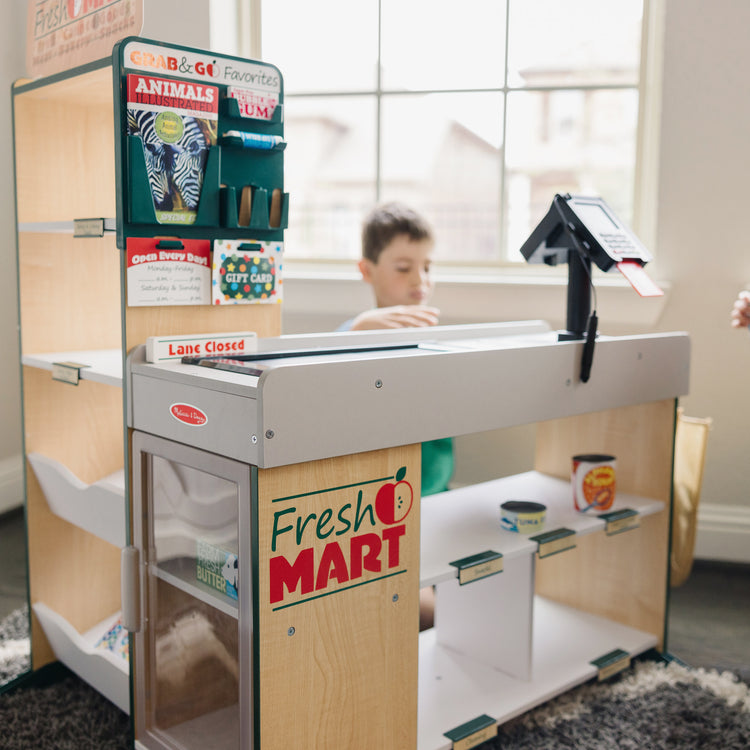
397,246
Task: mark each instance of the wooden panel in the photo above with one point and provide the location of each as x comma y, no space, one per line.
70,570
69,292
64,279
351,658
622,577
95,86
143,322
64,136
640,437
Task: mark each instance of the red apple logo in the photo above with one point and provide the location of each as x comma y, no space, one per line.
393,501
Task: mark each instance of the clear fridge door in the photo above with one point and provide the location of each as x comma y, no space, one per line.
188,653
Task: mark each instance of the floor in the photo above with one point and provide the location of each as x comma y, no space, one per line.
709,615
709,618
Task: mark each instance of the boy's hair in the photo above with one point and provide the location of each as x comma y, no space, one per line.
386,222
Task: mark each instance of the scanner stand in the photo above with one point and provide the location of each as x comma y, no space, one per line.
579,296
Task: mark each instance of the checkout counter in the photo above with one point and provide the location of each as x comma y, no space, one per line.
280,542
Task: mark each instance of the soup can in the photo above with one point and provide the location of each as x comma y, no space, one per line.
593,480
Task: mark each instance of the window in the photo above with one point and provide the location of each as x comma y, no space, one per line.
476,113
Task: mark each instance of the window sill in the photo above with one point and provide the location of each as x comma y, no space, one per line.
320,298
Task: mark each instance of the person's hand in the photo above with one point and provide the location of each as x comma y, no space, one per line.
400,316
741,311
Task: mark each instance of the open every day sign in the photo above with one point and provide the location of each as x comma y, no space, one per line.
163,272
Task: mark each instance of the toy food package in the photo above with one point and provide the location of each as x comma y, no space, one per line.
217,568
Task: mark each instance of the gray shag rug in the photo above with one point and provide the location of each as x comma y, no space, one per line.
14,645
652,706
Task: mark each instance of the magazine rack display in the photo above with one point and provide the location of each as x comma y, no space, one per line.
85,200
197,154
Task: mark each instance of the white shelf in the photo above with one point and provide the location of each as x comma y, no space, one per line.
180,573
98,365
98,508
103,670
177,539
454,689
466,521
59,227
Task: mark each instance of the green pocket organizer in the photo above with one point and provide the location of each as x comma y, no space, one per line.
141,208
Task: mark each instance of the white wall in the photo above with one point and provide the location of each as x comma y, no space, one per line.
702,242
12,67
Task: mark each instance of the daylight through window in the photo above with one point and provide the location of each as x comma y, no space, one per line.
476,113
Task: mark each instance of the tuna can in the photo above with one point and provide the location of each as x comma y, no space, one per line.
523,516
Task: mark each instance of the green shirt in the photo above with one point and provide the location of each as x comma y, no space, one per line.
437,465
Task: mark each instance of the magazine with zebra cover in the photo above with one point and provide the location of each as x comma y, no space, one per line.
177,122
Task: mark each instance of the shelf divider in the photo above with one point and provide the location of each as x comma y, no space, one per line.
454,688
105,671
98,508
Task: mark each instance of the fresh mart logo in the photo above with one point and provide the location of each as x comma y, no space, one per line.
330,540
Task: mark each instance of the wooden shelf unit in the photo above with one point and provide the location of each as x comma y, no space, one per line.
609,592
66,131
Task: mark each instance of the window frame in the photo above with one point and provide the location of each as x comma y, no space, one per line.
645,180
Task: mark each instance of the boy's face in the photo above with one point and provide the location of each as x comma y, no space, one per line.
402,274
